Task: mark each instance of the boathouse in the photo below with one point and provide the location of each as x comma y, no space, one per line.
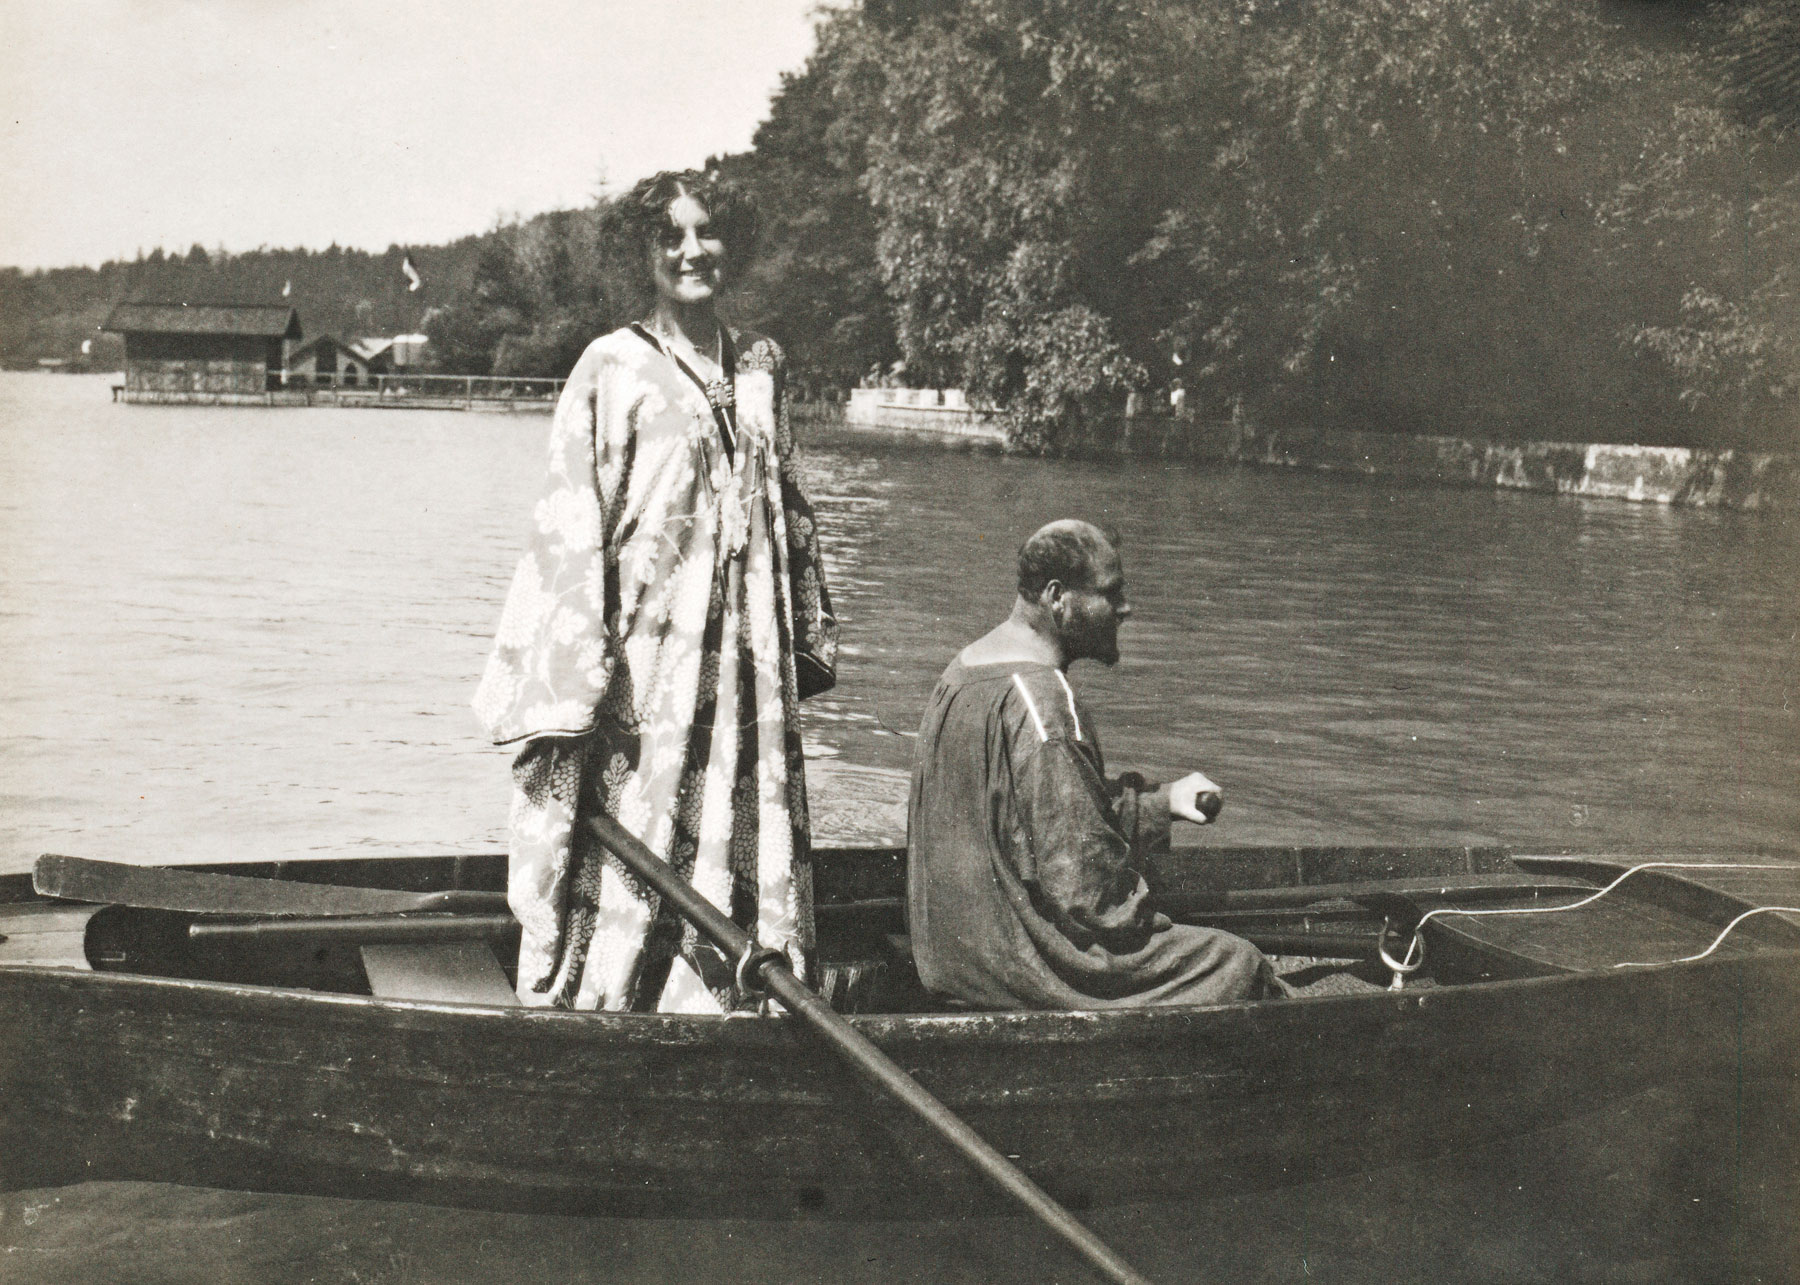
327,362
202,352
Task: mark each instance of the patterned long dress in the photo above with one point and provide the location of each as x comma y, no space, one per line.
655,642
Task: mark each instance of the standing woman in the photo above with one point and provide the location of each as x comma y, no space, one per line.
658,636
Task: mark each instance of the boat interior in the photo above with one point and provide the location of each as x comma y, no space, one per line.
1335,920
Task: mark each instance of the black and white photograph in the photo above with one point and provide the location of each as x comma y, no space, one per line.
900,642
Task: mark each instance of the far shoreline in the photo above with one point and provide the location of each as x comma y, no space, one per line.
1691,477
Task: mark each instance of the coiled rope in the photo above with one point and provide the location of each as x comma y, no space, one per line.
1415,950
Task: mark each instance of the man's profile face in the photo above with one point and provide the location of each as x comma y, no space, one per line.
1092,613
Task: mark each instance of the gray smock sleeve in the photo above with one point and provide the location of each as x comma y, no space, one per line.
1079,835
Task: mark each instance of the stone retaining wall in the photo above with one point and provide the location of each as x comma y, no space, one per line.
921,410
1653,474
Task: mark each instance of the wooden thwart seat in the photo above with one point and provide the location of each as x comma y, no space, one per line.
46,936
454,972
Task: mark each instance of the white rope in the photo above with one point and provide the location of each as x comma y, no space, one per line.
1417,942
1688,959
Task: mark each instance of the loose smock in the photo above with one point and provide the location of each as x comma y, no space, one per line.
646,658
1022,892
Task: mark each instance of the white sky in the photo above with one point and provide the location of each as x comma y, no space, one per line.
239,123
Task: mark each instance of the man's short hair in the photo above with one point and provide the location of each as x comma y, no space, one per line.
1062,551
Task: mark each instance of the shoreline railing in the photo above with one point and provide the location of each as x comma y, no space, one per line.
306,388
422,385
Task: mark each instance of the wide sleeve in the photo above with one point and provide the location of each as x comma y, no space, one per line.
1076,854
1141,810
553,653
815,627
548,778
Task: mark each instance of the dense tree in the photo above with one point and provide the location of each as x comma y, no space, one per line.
814,283
541,290
1420,214
1717,183
1389,221
1004,142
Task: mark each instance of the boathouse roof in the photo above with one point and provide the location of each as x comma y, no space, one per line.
268,321
319,343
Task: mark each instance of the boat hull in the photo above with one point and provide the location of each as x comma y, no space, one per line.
113,1076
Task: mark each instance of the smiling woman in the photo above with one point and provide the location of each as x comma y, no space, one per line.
658,636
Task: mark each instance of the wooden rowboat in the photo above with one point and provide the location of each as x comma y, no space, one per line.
233,1040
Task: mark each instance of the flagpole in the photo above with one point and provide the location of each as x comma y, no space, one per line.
415,282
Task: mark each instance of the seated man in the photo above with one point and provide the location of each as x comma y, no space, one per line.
1021,891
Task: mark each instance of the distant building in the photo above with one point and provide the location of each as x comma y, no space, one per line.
409,351
330,362
202,352
376,354
391,356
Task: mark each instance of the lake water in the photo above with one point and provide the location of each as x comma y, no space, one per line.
250,633
245,633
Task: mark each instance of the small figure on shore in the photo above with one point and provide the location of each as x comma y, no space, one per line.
1022,889
1178,400
658,636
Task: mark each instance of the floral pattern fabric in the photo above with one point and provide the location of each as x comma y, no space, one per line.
646,657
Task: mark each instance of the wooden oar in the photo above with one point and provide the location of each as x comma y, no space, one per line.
202,893
768,968
415,926
1196,903
207,893
356,929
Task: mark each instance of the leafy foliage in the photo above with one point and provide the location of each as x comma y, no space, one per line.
1420,214
1717,184
999,163
815,283
540,292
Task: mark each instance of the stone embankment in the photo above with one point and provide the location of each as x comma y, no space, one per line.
1652,474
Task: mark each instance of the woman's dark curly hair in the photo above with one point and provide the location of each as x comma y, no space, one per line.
636,221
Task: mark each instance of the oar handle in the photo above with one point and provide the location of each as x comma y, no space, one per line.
870,1062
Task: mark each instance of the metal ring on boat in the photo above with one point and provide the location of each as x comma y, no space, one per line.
1412,964
750,964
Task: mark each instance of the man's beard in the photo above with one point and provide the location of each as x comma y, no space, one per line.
1092,637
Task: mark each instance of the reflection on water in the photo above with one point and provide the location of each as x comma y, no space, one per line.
243,632
254,633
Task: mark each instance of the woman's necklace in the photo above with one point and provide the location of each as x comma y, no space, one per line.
716,384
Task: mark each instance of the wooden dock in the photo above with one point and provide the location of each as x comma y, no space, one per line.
373,392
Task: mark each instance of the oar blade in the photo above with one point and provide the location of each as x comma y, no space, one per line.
202,893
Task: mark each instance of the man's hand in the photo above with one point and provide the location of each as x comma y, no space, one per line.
1195,798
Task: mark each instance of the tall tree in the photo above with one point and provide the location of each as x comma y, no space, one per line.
1005,144
814,282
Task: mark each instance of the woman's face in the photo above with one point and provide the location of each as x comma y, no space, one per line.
688,256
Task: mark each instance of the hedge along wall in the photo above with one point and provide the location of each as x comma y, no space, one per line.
1650,474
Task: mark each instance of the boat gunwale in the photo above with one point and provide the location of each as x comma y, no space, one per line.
1023,1026
1074,1027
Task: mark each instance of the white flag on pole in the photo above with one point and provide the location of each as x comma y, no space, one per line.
413,279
